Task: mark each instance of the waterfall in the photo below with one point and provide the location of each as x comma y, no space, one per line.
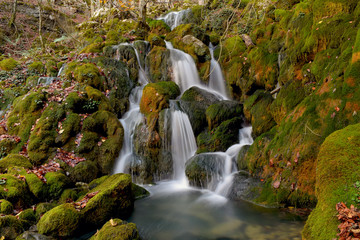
217,81
130,120
183,143
174,19
184,69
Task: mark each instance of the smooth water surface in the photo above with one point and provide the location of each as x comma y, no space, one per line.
177,212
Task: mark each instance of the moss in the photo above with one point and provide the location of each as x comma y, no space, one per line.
51,68
61,221
96,47
37,67
42,138
68,195
56,183
222,111
114,199
37,187
10,227
117,229
26,109
27,217
70,127
155,40
139,192
89,74
8,64
74,103
6,207
127,55
84,172
337,171
188,29
42,208
156,97
159,27
102,102
105,124
96,182
14,190
159,62
13,160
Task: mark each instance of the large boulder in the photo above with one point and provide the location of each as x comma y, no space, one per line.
222,111
61,221
117,229
10,227
13,160
194,103
14,190
114,198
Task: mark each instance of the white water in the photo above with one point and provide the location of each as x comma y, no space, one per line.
183,143
174,19
217,81
130,120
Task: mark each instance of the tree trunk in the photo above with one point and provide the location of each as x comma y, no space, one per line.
13,15
40,25
142,10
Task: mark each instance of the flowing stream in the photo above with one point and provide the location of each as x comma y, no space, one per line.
177,211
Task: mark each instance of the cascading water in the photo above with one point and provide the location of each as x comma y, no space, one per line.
217,80
174,19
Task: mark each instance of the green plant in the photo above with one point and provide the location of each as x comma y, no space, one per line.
91,105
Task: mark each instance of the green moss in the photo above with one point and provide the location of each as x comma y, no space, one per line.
51,68
10,227
97,101
37,187
27,217
96,182
114,199
70,127
139,192
159,62
105,124
96,47
155,40
222,111
89,74
68,195
159,27
13,160
337,171
6,207
26,109
37,67
61,221
84,172
42,138
14,190
188,29
56,183
117,229
42,208
156,96
8,64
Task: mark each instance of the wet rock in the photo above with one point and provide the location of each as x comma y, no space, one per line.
222,111
10,227
159,63
194,103
243,187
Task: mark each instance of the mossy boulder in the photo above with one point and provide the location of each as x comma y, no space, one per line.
194,102
84,172
139,192
70,127
26,109
44,207
337,171
220,138
143,48
13,160
257,110
155,40
114,199
37,187
14,190
10,227
28,217
117,229
188,29
6,207
159,27
97,101
8,64
42,138
68,195
89,74
57,182
156,97
159,63
102,139
126,54
222,111
37,66
61,221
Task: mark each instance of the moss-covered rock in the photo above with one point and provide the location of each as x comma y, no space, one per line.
27,217
139,192
68,195
37,67
114,199
337,171
61,221
37,187
8,64
57,183
10,227
89,74
117,229
159,27
84,172
70,127
6,207
102,139
257,109
159,63
188,29
155,40
222,111
42,208
97,101
194,102
13,160
14,190
126,54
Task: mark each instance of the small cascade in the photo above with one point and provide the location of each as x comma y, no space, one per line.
130,120
217,81
184,69
174,19
183,143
